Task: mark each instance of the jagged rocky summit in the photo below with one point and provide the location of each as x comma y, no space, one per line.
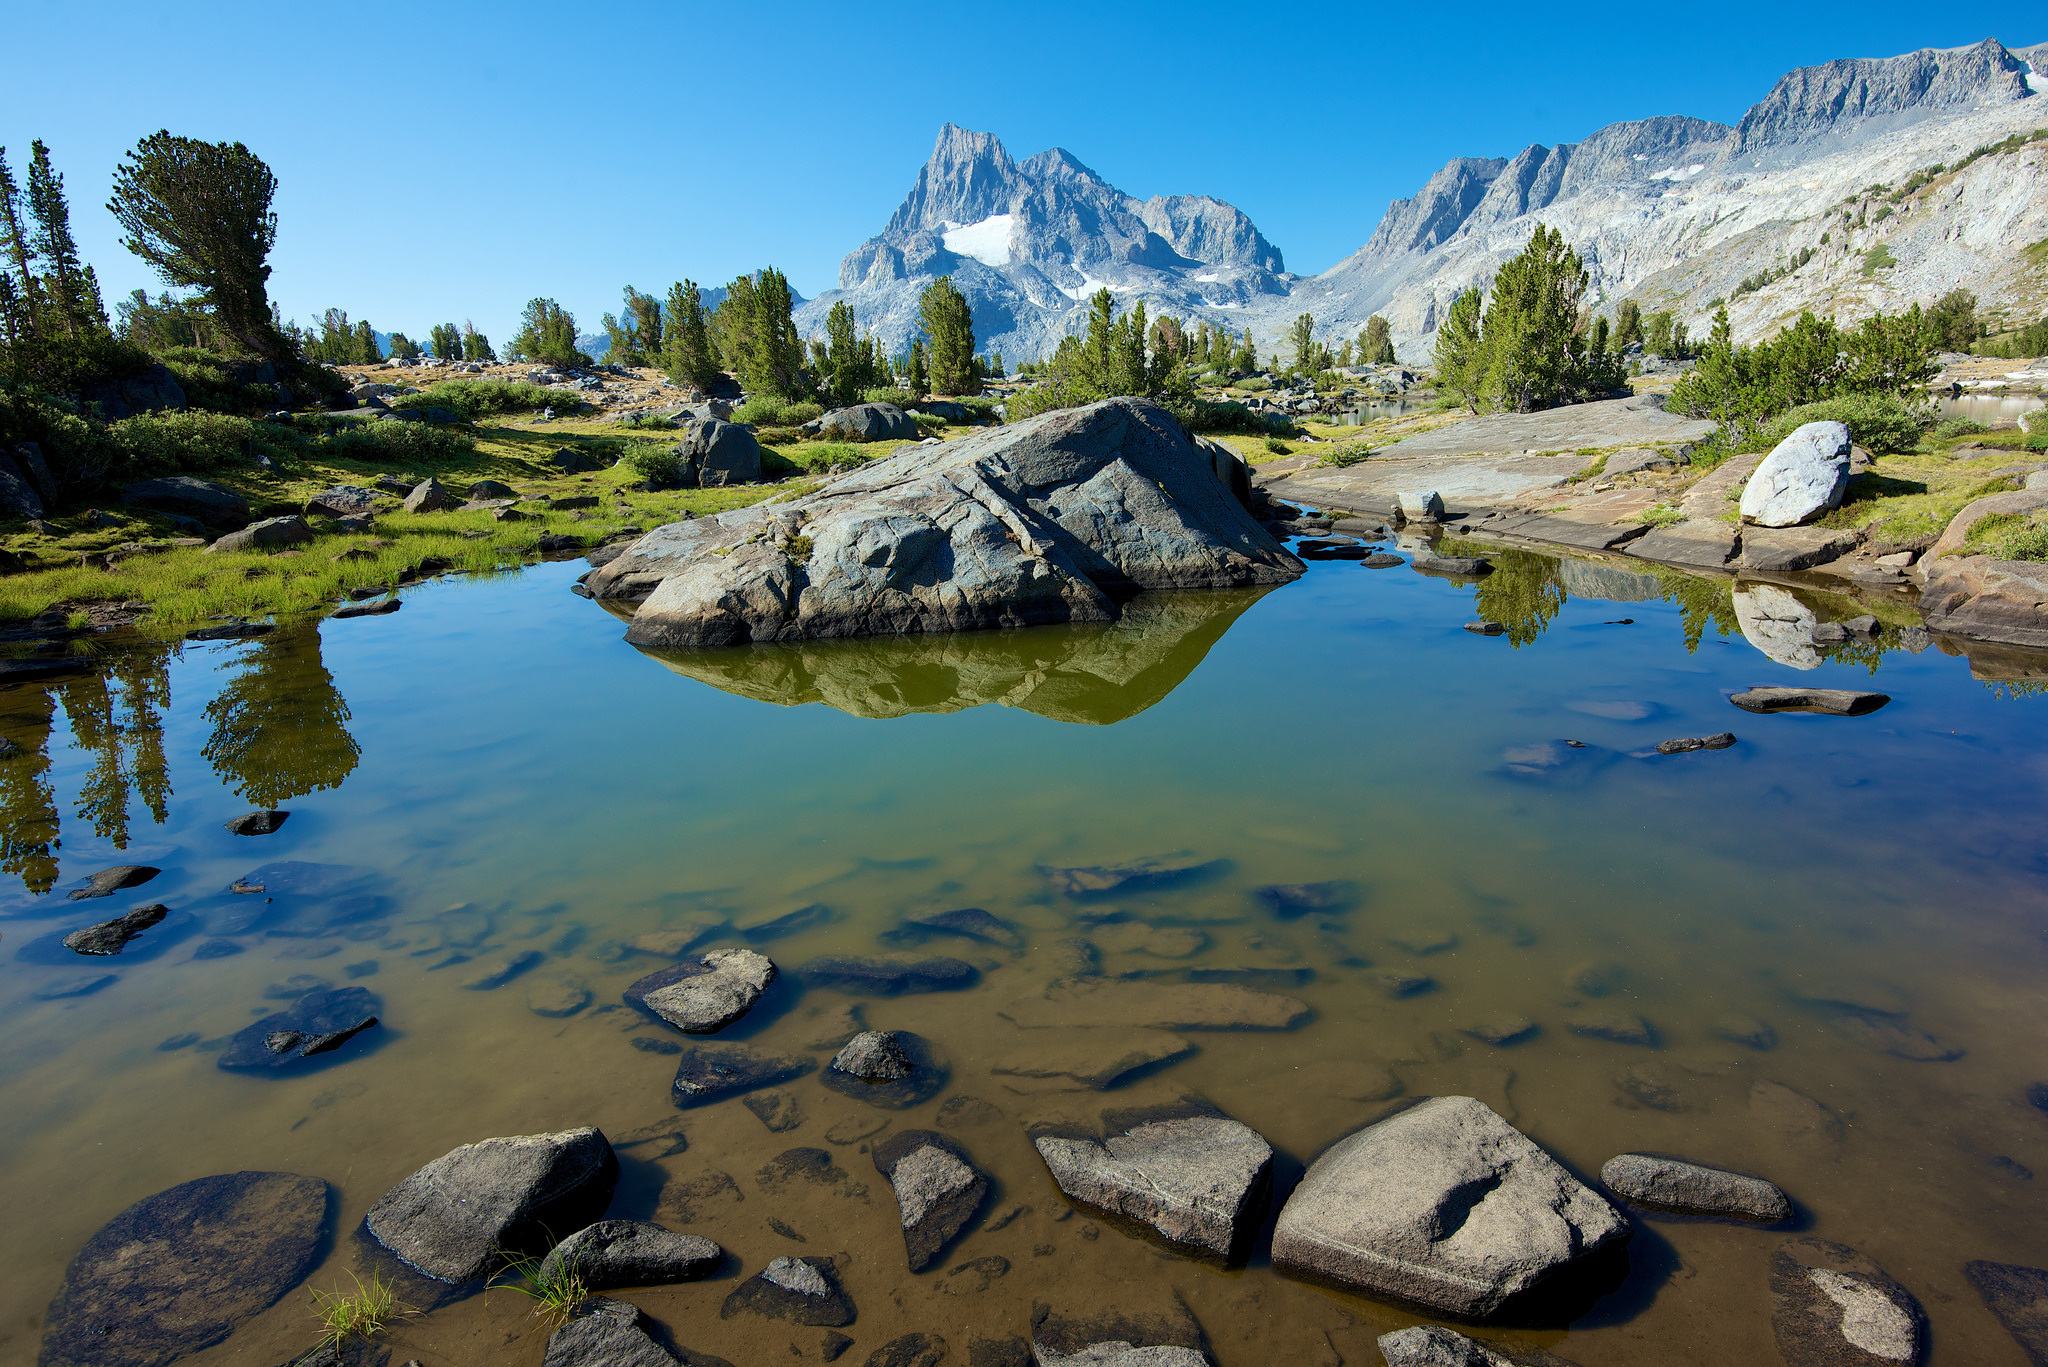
1058,518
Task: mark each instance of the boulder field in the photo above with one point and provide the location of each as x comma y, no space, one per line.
1058,518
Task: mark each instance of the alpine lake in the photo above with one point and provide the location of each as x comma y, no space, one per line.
502,815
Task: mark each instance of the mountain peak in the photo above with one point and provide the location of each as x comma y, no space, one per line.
1815,100
969,177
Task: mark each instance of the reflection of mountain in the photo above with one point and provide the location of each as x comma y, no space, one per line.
278,728
1096,674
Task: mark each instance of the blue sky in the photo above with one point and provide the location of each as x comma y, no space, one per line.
447,161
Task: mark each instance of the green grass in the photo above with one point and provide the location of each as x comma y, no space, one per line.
555,1294
1591,470
1878,258
2008,536
1663,515
363,1313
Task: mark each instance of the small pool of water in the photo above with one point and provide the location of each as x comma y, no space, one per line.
1834,928
1382,408
1993,410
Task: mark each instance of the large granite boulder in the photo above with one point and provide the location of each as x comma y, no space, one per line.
1802,477
184,496
873,422
716,452
631,1253
1055,519
938,1190
702,996
1202,1181
177,1271
1444,1205
460,1216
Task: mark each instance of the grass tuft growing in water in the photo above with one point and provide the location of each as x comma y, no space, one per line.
555,1291
363,1313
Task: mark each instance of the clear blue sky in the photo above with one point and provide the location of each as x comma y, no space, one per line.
442,161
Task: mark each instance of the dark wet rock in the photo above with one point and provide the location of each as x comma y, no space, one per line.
1833,702
326,1018
911,1350
938,1190
1833,1307
648,1044
504,971
1202,1181
376,609
606,1333
1263,978
217,949
107,882
1693,1188
45,667
308,896
970,923
789,923
257,823
111,937
1288,901
2018,1296
799,1290
893,1069
1095,1058
178,1271
1159,1334
1382,560
1166,1006
460,1216
702,996
76,985
351,1353
889,975
1138,875
185,496
1445,1205
632,1253
1486,628
779,1111
1616,1027
1432,1345
1685,744
1504,1031
713,1072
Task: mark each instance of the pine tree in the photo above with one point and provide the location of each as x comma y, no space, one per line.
547,333
756,334
446,341
70,287
687,356
1628,323
363,348
23,300
643,314
403,346
919,378
1376,343
1247,358
1460,363
949,323
476,346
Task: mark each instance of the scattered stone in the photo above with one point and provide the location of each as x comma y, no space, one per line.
1097,1058
2018,1296
1445,1205
889,975
1165,1006
703,1198
1685,744
893,1069
1290,901
1432,1345
343,500
1202,1181
874,1056
712,1072
232,631
1424,940
790,923
1421,505
1504,1031
376,609
1616,1027
1802,477
107,882
1382,560
1138,875
799,1290
631,1253
1833,702
601,1332
1833,1307
938,1190
779,1111
459,1217
703,996
1486,628
505,971
490,489
178,1271
911,1350
111,937
272,531
318,1022
428,497
1693,1188
1456,566
257,823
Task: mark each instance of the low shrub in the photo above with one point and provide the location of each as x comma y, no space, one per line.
778,436
1254,384
212,381
763,410
1277,447
830,455
797,414
980,409
162,443
647,422
928,422
2009,536
474,399
1345,456
657,464
381,442
1876,422
1959,427
885,394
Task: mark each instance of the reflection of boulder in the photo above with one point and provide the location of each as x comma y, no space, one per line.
1584,579
1991,662
1096,674
1778,624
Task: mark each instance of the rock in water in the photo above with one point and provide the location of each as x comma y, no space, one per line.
178,1271
938,1190
257,823
893,1069
888,975
1671,1184
1202,1181
632,1253
2019,1297
971,923
319,1022
874,1056
705,995
107,882
459,1216
1094,1058
1291,900
1833,702
800,1290
1802,477
712,1072
1833,1307
1058,518
111,937
1432,1345
1160,1335
605,1333
1445,1205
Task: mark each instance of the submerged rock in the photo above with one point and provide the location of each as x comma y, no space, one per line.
257,823
1166,1006
1432,1345
1445,1205
462,1215
971,923
938,1190
1693,1188
712,1072
1202,1181
1833,702
1291,900
631,1253
606,1333
1137,875
893,1069
1054,519
704,995
889,975
1099,1058
799,1290
1833,1307
318,1022
789,923
1160,1334
2018,1296
875,1056
178,1271
107,882
111,937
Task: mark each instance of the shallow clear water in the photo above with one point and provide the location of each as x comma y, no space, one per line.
1989,409
504,774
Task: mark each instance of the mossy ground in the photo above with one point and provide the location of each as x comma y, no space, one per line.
185,586
1914,494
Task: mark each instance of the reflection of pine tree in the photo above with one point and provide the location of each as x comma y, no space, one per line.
127,750
278,728
28,810
1522,594
103,796
146,688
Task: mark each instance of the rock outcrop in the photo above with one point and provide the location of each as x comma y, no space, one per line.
1059,518
1982,599
938,1190
1202,1181
1445,1205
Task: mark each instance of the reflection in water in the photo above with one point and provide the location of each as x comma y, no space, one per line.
28,810
126,751
278,728
1093,674
1777,624
1522,594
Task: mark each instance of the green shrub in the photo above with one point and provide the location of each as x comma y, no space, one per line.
1254,384
479,398
778,436
1959,427
209,381
647,422
2009,536
657,464
1876,422
928,422
981,409
1345,456
885,394
1277,446
763,410
797,414
396,442
162,443
65,364
831,455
